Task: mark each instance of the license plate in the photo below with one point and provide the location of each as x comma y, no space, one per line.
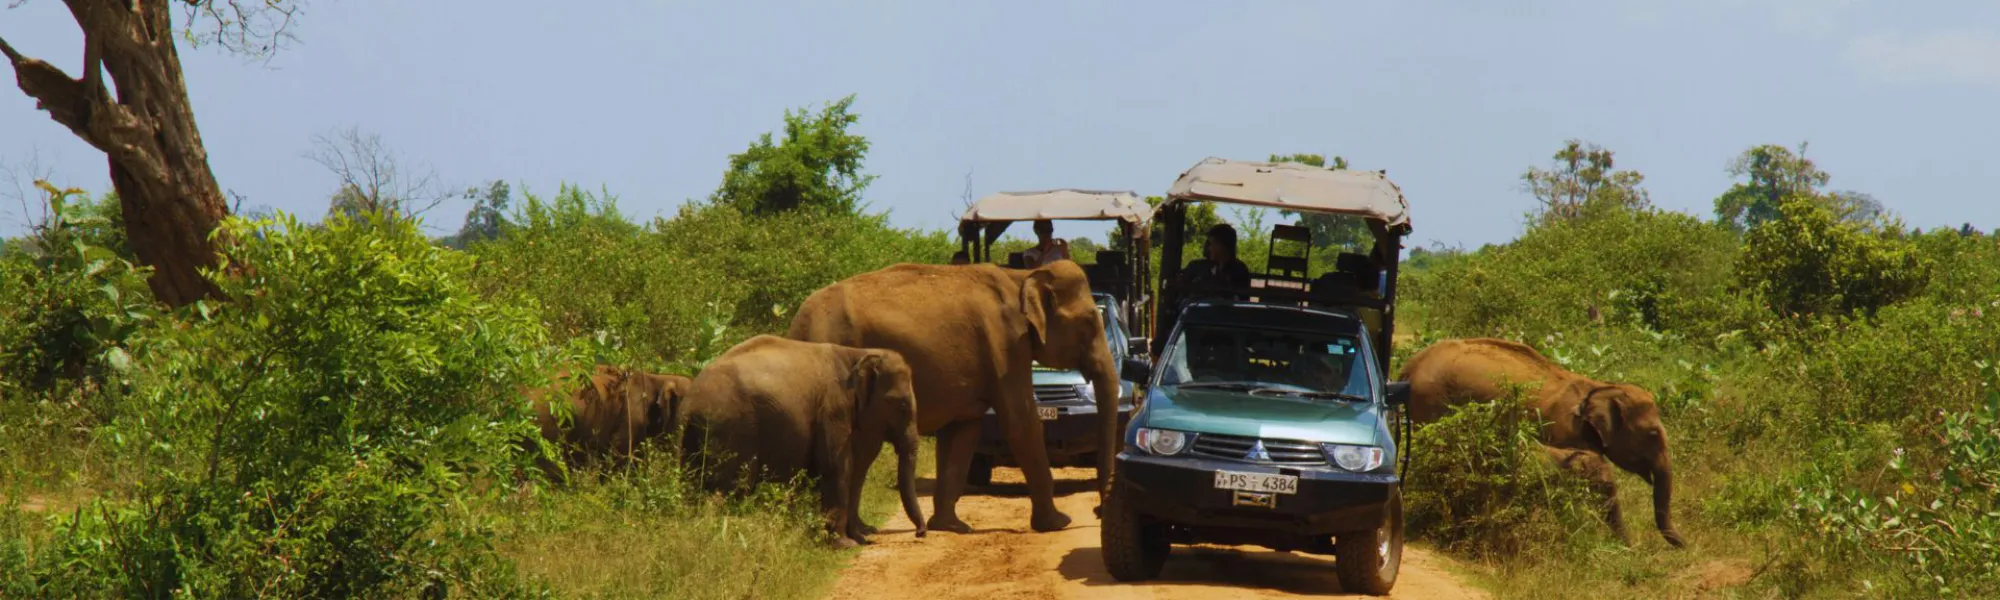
1256,482
1047,413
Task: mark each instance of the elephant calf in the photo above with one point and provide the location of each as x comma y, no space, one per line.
1589,421
771,408
615,412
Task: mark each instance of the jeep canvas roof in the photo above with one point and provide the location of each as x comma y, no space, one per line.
1292,186
1060,204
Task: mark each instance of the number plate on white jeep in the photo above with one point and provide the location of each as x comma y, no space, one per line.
1048,413
1256,482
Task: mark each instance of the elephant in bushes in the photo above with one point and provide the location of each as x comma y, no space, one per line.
770,409
972,334
614,412
1588,421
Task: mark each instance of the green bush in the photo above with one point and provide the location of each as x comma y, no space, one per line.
1939,525
70,296
1658,270
316,436
1482,486
680,290
1808,262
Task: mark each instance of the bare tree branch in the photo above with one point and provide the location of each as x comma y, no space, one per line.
253,28
20,177
373,177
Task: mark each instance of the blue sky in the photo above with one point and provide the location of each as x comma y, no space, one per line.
1454,99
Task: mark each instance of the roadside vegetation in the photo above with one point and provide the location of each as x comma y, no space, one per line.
1826,374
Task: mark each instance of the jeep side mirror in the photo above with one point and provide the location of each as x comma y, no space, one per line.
1397,393
1135,370
1138,346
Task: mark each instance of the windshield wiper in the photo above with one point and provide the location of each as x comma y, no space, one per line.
1311,394
1219,385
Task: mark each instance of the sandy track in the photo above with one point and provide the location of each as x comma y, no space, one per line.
1002,559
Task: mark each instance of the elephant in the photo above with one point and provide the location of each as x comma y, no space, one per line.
972,333
1613,421
610,416
770,409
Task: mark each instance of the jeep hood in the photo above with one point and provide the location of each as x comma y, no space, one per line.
1230,412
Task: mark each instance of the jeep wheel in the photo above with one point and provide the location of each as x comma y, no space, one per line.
1367,561
981,471
1133,549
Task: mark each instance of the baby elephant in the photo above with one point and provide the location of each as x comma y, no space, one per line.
611,415
772,408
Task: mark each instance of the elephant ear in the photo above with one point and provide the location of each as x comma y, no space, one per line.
1600,408
1038,293
861,381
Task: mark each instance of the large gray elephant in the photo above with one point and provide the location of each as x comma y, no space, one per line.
770,409
972,334
1588,421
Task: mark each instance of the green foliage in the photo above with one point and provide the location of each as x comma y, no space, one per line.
70,296
1657,270
817,165
1939,526
484,220
316,436
1806,262
1582,179
1485,487
1774,173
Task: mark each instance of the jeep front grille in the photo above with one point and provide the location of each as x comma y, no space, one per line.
1055,393
1281,452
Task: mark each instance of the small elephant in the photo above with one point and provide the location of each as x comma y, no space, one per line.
615,412
771,408
1618,422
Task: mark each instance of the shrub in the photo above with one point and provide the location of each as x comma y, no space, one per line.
70,296
316,436
1939,525
1807,262
1482,485
1658,270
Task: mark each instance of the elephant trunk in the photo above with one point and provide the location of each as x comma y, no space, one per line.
1103,375
905,442
1663,496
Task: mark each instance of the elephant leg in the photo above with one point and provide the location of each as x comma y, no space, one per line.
864,458
1602,481
1024,438
956,443
832,465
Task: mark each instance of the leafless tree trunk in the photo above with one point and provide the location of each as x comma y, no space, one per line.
147,132
373,178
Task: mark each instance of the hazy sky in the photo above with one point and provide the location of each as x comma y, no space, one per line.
1454,99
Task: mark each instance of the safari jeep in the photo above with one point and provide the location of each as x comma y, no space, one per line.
1269,419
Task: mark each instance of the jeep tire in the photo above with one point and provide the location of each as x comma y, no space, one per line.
1367,561
1134,550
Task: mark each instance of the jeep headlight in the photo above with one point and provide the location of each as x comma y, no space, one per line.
1162,442
1086,391
1359,459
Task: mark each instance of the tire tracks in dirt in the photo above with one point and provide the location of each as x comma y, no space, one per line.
1003,559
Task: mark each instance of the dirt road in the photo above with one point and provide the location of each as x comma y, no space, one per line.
1003,559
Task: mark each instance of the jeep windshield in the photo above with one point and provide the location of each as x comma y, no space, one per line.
1269,362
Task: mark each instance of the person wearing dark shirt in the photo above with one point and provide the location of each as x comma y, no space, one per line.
1218,269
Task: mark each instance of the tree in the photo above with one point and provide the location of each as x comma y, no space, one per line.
1775,173
817,165
373,178
487,216
169,197
1583,177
